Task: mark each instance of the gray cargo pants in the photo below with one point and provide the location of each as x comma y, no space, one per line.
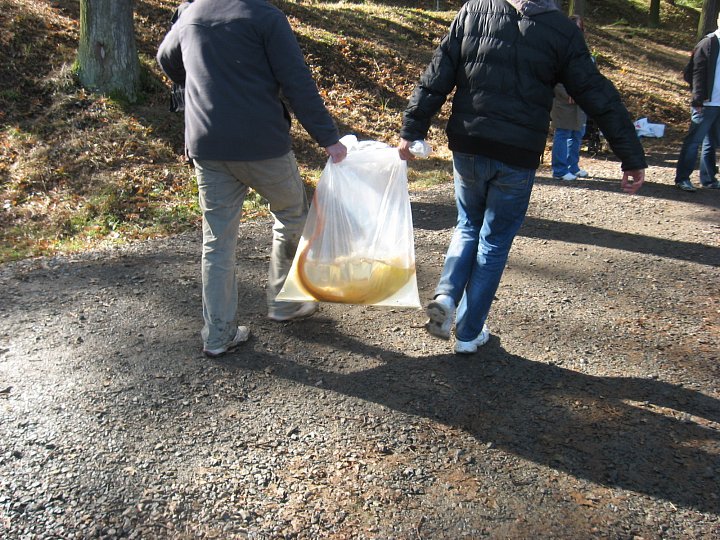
222,187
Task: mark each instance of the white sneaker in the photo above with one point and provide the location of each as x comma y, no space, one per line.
471,347
303,311
441,313
582,173
568,177
241,336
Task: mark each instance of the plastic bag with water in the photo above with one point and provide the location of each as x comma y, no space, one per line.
357,246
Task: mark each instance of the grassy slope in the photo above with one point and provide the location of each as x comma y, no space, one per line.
77,169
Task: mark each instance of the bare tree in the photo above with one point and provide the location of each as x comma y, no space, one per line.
576,7
107,55
654,13
708,17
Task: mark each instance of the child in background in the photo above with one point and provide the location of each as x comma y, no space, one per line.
569,121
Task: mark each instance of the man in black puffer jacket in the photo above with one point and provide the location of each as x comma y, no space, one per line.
503,58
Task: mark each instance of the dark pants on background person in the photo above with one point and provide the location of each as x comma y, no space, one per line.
566,151
708,164
703,123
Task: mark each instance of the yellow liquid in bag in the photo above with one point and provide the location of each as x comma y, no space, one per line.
353,280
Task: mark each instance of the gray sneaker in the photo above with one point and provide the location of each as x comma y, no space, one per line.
241,336
712,185
441,313
302,311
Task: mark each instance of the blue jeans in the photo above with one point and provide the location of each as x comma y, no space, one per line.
492,199
702,125
708,166
566,151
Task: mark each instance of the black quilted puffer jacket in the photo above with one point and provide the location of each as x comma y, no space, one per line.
503,58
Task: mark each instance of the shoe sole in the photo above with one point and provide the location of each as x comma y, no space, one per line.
230,349
438,315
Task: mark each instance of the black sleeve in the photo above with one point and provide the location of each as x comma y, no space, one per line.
701,60
601,101
436,83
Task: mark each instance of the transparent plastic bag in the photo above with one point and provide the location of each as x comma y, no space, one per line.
357,245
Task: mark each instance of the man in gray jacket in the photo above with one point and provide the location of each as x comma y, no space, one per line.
236,59
503,58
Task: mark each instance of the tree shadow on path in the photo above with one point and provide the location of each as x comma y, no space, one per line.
642,435
442,215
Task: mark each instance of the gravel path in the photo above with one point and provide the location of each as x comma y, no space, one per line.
593,412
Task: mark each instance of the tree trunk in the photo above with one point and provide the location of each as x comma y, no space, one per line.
654,13
708,17
576,7
107,55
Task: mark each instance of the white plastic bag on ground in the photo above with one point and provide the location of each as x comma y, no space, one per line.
643,128
357,246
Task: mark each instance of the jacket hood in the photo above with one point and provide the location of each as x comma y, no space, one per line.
533,7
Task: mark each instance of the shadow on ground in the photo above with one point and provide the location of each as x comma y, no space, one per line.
437,216
608,430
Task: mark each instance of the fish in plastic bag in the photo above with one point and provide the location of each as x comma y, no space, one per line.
357,246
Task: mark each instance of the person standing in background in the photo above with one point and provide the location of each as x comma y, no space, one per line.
568,120
236,59
704,116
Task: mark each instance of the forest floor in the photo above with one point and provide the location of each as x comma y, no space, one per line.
79,170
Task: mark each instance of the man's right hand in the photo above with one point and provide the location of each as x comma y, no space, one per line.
404,150
337,152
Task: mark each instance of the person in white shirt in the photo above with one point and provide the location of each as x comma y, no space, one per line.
704,113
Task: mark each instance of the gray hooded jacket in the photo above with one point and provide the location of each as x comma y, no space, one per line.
503,58
235,59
